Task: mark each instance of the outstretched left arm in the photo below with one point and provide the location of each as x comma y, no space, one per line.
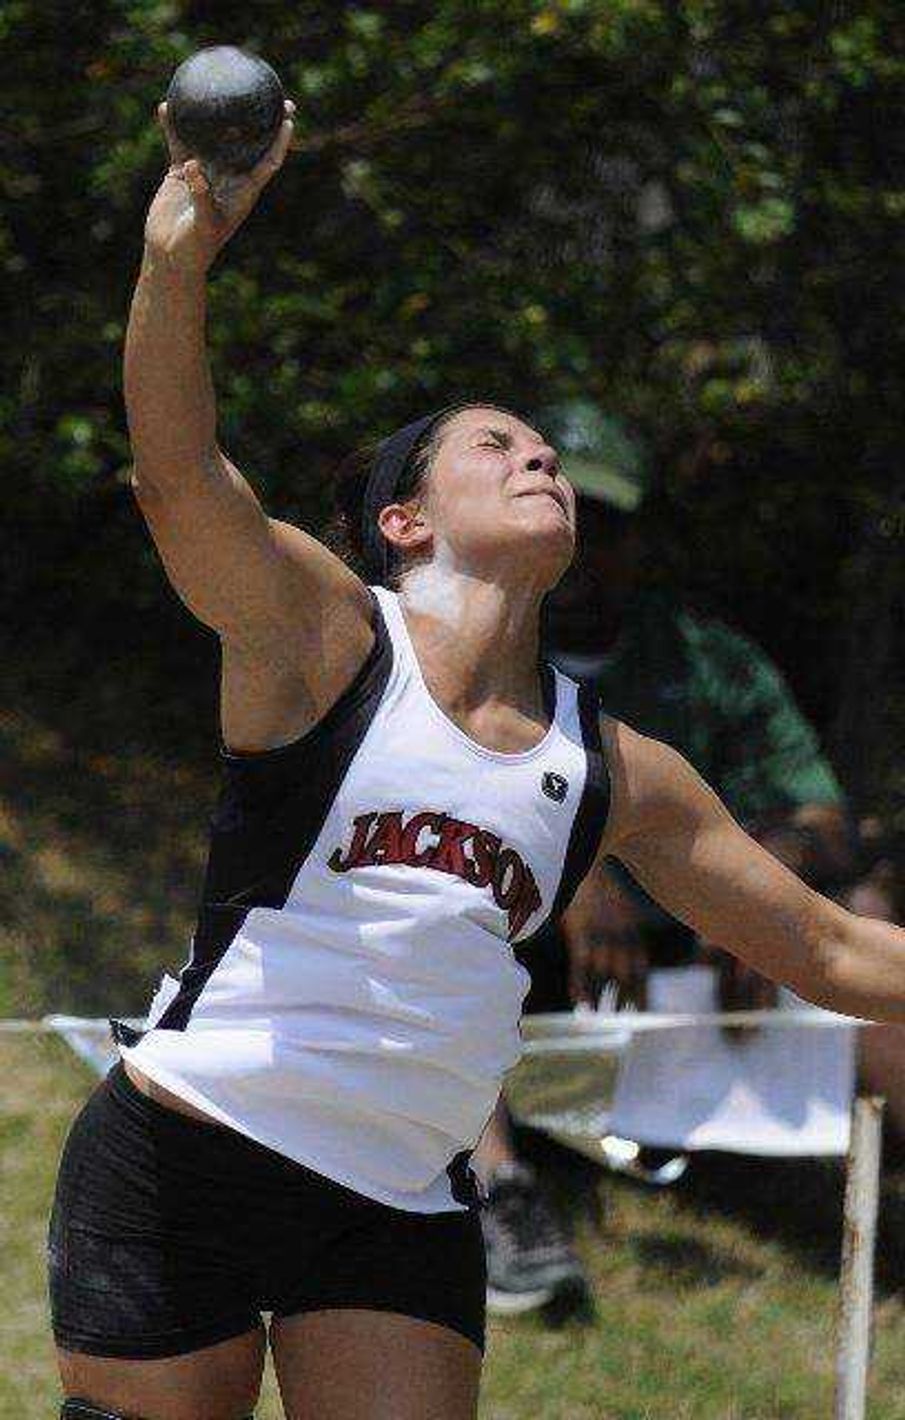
680,841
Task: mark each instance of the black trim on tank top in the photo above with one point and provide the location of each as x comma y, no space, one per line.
272,807
463,1183
589,824
548,690
591,816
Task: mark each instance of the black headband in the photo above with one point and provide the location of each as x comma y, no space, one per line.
393,458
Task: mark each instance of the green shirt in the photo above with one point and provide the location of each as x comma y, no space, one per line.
717,698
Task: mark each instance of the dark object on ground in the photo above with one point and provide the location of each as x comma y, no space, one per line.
531,1264
226,107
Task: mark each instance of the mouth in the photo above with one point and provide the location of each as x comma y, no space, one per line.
559,498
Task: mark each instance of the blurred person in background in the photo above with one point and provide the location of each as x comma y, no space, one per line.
713,694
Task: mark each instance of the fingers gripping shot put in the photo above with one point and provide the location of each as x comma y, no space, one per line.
290,1133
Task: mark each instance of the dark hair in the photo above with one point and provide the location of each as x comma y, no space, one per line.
344,533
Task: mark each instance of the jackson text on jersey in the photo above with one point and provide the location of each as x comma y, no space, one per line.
430,839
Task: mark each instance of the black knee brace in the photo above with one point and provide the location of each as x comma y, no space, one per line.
84,1410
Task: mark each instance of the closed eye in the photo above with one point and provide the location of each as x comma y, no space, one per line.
495,439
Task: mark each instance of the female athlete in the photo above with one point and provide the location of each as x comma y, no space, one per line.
407,794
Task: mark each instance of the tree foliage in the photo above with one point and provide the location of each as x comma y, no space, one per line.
690,210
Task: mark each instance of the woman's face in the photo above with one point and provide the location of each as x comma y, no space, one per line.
496,500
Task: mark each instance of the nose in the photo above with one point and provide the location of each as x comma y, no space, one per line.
544,460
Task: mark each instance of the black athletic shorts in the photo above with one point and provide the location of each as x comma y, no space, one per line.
169,1233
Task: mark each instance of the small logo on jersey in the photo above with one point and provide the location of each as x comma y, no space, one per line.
555,786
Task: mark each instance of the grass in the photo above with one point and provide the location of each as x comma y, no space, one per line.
715,1301
105,787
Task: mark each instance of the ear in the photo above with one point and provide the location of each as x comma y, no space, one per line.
406,526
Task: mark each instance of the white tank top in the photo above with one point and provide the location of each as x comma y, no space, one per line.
351,999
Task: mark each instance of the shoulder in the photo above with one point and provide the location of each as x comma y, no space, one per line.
638,763
312,562
652,785
276,689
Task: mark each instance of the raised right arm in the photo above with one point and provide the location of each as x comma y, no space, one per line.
293,620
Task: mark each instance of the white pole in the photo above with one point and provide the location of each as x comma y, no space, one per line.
862,1189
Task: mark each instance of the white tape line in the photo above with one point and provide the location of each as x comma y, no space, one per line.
565,1027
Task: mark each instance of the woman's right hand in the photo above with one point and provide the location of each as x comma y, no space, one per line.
186,223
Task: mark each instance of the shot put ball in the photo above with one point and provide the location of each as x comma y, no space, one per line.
226,107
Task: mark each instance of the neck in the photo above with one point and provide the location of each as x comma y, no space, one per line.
477,641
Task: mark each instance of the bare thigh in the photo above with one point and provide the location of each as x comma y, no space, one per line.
217,1383
369,1365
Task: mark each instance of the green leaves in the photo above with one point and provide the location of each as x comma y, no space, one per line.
764,222
689,212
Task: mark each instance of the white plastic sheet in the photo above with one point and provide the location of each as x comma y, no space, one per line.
672,1078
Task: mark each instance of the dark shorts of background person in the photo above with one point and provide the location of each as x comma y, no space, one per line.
169,1234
